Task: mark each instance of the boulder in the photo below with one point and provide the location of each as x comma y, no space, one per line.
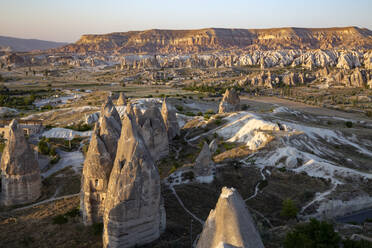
20,177
230,224
134,214
230,102
170,120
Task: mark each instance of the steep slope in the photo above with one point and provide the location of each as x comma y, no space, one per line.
26,45
169,41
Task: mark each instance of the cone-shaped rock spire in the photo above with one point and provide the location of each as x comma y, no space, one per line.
203,163
21,180
134,214
95,177
122,100
170,120
230,102
230,224
98,163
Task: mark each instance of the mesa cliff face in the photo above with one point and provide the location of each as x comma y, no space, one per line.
210,39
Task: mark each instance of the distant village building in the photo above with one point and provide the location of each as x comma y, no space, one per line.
30,127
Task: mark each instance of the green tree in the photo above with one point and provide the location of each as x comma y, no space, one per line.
289,209
314,234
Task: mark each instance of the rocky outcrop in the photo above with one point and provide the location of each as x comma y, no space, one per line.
94,181
209,39
134,214
153,131
203,163
108,110
20,177
98,164
170,120
213,146
230,102
230,224
122,100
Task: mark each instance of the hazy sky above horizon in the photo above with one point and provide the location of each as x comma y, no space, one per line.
67,20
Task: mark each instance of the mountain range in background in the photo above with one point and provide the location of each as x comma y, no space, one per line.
219,39
10,44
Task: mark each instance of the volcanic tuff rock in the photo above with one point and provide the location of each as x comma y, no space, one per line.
122,100
170,120
230,224
95,177
203,163
154,132
212,39
98,163
134,214
108,109
20,179
230,102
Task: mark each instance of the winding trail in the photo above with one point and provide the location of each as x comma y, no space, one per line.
45,201
183,206
318,198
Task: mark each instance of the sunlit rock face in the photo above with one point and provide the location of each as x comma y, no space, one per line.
98,164
230,102
20,177
203,163
152,128
170,120
134,214
229,224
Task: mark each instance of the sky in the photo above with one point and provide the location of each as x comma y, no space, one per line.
67,20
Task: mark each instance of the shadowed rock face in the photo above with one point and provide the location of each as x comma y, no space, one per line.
94,181
203,163
21,181
230,102
98,164
108,109
230,224
170,120
154,132
122,100
134,214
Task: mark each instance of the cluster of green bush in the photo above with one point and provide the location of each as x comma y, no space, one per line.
63,218
81,127
46,149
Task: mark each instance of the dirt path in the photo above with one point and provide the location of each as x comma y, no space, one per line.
45,201
183,206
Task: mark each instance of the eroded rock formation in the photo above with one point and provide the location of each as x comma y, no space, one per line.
153,131
98,164
230,224
170,120
20,179
134,214
122,100
203,163
94,181
230,102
